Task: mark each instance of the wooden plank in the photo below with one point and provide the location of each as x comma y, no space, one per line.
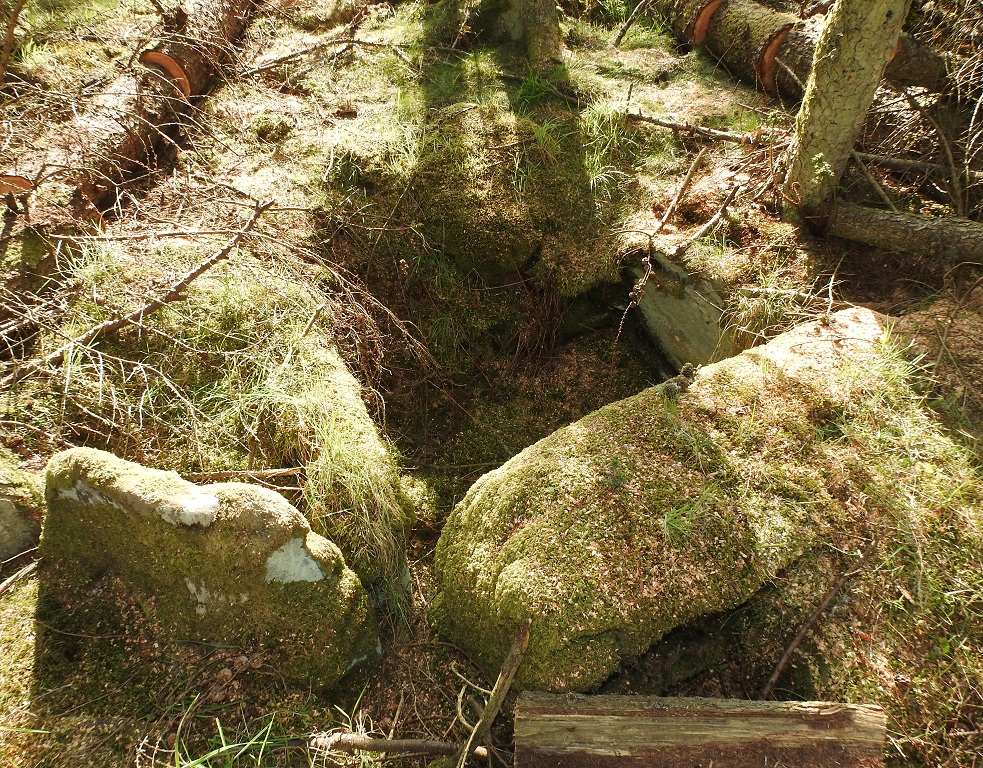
572,731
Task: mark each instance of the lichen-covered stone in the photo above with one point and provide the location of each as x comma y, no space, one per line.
21,507
657,509
230,562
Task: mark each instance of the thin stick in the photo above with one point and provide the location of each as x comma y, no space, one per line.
175,293
636,12
873,182
27,570
256,474
682,191
316,48
831,593
957,183
901,165
680,249
750,139
499,692
353,742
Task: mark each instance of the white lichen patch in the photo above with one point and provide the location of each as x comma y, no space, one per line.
194,508
292,562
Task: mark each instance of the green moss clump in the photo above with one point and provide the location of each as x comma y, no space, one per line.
666,507
229,562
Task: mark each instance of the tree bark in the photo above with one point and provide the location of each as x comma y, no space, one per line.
615,731
851,55
745,36
950,239
748,36
81,164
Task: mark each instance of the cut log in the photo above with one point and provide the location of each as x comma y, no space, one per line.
748,37
950,239
615,731
745,36
79,166
913,63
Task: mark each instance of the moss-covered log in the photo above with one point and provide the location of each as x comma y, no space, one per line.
954,240
79,165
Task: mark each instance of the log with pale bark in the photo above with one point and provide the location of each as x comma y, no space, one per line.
80,165
621,731
950,240
776,49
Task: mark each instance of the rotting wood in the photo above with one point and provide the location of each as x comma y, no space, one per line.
79,165
497,698
576,731
949,239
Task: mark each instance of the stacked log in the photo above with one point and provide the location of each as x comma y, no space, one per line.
80,165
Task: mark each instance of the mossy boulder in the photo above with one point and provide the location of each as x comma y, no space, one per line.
658,509
229,563
21,507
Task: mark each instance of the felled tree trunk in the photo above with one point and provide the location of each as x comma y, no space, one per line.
82,163
852,52
745,36
912,64
748,37
950,239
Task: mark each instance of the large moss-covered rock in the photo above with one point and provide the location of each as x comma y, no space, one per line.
229,563
658,509
21,507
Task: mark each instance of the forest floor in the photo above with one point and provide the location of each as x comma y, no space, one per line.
461,370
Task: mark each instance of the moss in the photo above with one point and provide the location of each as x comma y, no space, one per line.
196,577
653,511
270,127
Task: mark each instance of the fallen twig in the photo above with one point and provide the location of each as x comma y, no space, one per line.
505,677
354,742
677,199
175,293
318,47
684,246
629,21
831,593
902,165
873,182
754,138
27,570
